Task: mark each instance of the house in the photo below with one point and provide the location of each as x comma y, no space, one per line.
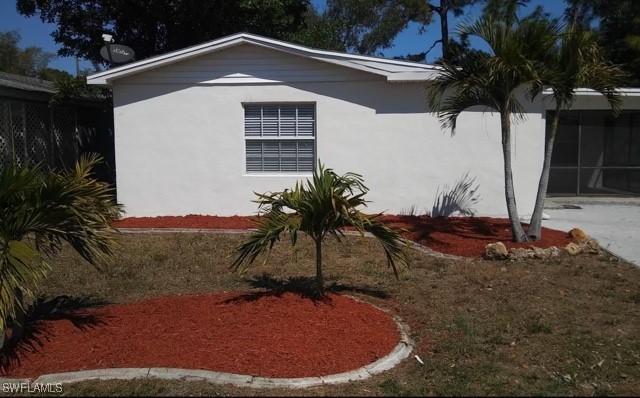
199,130
33,129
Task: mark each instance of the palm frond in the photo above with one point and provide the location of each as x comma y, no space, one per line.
578,62
490,79
39,211
269,228
21,268
391,240
321,206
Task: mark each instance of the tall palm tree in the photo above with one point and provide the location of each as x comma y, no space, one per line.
493,80
577,62
39,211
324,206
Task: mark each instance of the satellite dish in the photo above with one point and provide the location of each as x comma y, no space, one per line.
117,53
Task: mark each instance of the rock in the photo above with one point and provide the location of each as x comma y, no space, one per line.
539,253
578,235
573,249
551,252
496,251
590,246
520,253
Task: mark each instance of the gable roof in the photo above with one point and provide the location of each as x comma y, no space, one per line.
393,70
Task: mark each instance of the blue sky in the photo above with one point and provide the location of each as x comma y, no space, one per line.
36,33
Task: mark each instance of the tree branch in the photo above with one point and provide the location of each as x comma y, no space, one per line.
431,48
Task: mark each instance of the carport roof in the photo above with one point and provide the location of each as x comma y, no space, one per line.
26,83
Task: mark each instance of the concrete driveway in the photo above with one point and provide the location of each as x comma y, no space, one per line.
614,222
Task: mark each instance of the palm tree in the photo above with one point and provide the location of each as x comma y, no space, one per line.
576,63
39,211
493,80
324,206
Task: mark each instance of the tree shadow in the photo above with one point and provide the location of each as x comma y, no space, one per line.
35,334
482,227
422,229
303,286
433,231
458,200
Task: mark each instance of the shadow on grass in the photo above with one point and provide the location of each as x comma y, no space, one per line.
303,286
35,335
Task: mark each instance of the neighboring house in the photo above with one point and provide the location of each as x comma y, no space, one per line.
33,130
199,130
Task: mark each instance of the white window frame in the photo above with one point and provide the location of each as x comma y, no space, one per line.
280,138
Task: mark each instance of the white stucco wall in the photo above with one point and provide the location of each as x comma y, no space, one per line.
180,147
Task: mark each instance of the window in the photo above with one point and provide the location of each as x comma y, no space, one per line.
280,137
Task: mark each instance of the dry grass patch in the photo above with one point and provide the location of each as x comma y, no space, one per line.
554,327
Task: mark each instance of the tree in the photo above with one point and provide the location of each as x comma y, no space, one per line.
452,48
577,62
153,27
505,10
39,210
449,47
359,26
29,61
493,80
319,31
324,206
368,26
617,28
54,75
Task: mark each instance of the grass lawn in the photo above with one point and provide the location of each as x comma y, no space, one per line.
567,326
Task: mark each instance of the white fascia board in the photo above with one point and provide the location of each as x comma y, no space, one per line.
412,67
340,59
412,76
106,77
332,54
627,91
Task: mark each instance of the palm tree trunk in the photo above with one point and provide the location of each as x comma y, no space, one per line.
444,28
535,226
18,327
518,234
17,331
319,280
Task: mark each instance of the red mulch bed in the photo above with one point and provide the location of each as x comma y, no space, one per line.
462,236
467,236
263,334
190,221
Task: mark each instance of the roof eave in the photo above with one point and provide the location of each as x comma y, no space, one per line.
627,91
411,77
107,77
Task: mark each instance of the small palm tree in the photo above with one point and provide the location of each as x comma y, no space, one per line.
324,206
39,211
576,63
492,79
